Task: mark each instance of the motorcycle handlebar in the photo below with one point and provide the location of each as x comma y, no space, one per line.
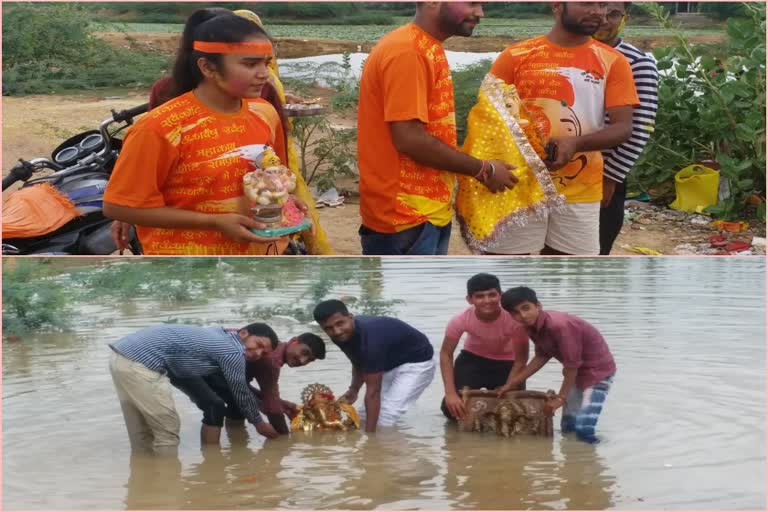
130,113
24,170
126,116
9,180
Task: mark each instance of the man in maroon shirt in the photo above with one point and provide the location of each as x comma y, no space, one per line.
588,366
212,396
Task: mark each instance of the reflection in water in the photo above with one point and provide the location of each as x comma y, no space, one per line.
388,464
583,478
536,472
688,338
154,482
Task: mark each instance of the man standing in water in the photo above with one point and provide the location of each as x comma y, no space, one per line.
141,362
620,160
407,152
392,359
588,366
212,395
496,346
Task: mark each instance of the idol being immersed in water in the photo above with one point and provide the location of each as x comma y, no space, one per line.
321,411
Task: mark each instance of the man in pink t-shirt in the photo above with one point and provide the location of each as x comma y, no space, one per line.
588,366
495,348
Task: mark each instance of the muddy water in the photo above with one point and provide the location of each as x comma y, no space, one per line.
683,427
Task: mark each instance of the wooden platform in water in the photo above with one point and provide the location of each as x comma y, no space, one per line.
515,413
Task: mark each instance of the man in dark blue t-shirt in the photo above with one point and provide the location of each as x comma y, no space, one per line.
394,360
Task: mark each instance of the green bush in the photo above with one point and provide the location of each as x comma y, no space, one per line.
369,19
32,300
33,33
466,84
517,9
711,108
723,10
41,294
325,153
51,48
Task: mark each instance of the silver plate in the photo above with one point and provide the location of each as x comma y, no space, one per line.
302,110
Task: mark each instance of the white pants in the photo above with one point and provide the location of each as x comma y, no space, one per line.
575,230
400,388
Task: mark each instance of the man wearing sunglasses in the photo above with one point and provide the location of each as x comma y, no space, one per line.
619,161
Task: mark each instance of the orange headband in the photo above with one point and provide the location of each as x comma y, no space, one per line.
259,48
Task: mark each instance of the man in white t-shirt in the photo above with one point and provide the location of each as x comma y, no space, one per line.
496,346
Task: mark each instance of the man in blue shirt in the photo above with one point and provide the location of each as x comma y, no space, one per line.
142,361
393,360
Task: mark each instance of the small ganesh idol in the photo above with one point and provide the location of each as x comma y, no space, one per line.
268,190
321,411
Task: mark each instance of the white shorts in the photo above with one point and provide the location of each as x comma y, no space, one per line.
400,388
574,230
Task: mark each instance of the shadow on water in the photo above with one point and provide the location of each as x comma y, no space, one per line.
688,337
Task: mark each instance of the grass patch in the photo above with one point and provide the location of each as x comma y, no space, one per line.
466,84
50,48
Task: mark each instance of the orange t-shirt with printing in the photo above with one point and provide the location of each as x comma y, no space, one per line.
567,91
185,155
406,77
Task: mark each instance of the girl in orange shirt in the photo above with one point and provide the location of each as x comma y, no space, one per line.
179,176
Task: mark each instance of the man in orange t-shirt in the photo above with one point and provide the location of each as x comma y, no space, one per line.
407,152
569,82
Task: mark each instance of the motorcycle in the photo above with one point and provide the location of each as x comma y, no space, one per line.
81,167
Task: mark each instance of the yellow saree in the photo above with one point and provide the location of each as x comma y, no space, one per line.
499,128
317,244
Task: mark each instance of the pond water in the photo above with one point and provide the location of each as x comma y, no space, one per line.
326,69
683,426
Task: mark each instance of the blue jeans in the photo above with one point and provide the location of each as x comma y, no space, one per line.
424,240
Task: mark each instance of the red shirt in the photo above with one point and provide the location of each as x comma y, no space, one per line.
574,342
266,371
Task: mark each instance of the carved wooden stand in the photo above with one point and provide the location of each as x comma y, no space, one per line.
516,413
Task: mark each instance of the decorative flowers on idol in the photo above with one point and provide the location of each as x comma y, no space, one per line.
270,185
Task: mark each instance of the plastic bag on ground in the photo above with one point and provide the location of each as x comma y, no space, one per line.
696,187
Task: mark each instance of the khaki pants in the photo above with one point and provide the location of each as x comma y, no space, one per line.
146,398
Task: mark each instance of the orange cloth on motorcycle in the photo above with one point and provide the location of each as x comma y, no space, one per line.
36,211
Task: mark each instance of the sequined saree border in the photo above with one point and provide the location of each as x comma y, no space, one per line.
493,88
